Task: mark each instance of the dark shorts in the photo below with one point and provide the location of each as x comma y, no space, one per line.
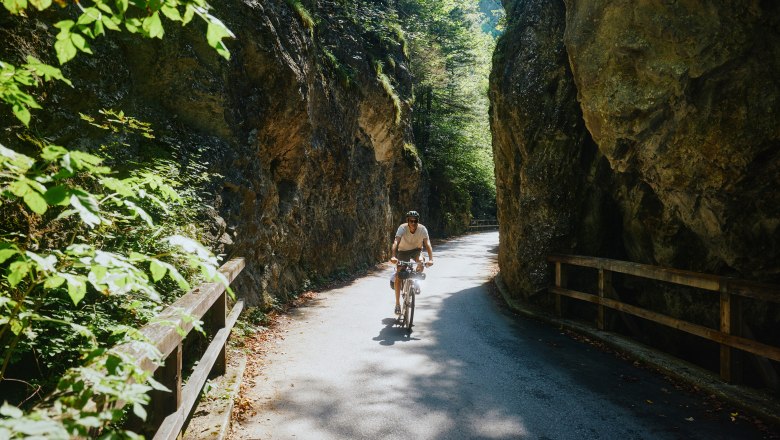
411,255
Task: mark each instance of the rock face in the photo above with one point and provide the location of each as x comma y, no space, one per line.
646,131
550,178
683,100
678,160
296,123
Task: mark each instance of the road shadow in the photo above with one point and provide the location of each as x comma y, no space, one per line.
392,333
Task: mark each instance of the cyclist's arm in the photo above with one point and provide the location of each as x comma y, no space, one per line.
394,249
427,245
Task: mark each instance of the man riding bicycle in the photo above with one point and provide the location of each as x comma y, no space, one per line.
410,238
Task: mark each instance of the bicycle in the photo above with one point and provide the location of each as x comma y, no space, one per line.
410,288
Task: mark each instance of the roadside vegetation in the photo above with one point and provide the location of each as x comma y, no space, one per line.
91,248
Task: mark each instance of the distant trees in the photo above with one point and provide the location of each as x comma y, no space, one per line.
450,60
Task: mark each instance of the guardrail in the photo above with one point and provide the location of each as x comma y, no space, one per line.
483,224
729,290
168,411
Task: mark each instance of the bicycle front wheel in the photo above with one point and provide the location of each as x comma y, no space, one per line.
410,310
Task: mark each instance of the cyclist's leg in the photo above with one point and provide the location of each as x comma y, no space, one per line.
397,291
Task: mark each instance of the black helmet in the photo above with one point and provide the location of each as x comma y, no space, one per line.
414,214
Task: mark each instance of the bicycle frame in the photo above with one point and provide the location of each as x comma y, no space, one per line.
410,276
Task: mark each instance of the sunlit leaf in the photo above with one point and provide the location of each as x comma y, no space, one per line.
53,282
66,50
35,202
153,26
18,270
157,269
15,6
77,287
5,254
87,208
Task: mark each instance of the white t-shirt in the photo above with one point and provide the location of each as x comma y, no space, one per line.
411,241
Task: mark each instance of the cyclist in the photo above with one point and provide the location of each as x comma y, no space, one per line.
410,238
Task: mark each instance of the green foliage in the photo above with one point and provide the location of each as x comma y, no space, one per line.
447,45
450,63
76,282
87,254
143,17
389,89
345,74
303,14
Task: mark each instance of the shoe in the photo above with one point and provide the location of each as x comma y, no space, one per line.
397,310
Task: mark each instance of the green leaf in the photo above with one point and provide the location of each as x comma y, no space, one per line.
57,195
215,32
15,6
18,271
48,72
87,208
137,210
153,26
158,270
35,202
121,187
11,411
19,188
53,152
80,43
111,363
45,264
66,50
139,411
133,25
21,162
110,23
53,282
177,277
22,114
40,4
189,12
99,28
5,254
77,287
171,12
65,25
89,15
99,272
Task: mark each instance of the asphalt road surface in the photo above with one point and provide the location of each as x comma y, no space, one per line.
470,370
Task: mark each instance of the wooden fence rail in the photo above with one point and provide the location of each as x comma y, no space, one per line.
728,289
168,411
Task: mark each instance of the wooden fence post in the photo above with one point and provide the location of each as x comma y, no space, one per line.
605,285
166,402
218,314
730,322
560,282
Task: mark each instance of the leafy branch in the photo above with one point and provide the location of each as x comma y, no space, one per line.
143,17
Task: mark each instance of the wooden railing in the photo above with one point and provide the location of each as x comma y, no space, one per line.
483,224
168,411
728,289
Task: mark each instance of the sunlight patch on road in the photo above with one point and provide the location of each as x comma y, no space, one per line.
495,424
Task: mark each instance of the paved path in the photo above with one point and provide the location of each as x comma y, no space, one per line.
470,370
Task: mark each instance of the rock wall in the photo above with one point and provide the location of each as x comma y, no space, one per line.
296,123
645,130
683,100
550,176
